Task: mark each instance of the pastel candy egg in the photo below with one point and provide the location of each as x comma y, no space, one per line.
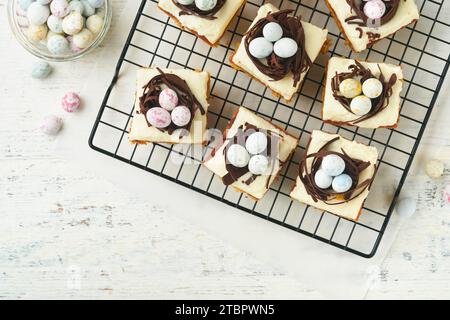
372,88
60,8
434,168
83,39
185,2
333,165
41,70
256,143
322,180
96,3
37,14
94,23
181,116
238,156
158,117
406,207
446,193
272,32
374,9
258,165
57,44
285,48
88,10
260,48
350,88
342,183
37,33
73,23
54,23
361,105
51,125
168,99
72,46
71,102
25,4
205,5
77,6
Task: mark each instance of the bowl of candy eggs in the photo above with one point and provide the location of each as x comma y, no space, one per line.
59,30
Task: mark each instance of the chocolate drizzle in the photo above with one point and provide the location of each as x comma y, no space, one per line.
194,11
353,167
150,97
275,67
357,70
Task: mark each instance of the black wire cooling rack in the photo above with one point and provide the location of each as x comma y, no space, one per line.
422,49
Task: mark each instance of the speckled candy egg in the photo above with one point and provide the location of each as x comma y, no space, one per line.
350,88
256,143
77,6
342,183
260,48
37,33
238,156
434,168
205,5
322,180
258,165
41,70
158,117
96,3
168,99
94,23
333,165
60,8
51,125
372,88
406,207
55,24
361,105
73,23
71,102
83,38
285,48
37,14
181,116
88,10
186,2
57,44
272,32
374,9
446,194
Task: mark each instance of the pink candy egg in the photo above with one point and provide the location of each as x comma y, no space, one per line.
70,102
158,117
168,99
51,125
59,8
374,9
181,116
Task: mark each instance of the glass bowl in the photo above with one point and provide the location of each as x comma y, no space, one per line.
17,22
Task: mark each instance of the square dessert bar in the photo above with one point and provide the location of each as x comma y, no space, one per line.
385,108
315,40
360,164
210,26
362,31
194,95
246,128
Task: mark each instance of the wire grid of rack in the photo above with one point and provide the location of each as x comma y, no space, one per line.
422,49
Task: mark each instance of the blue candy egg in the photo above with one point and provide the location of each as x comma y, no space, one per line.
260,48
41,70
342,183
96,3
333,165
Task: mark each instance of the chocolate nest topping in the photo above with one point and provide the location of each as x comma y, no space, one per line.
275,67
357,70
192,10
235,173
150,97
353,167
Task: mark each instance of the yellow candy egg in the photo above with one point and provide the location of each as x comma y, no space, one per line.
37,33
350,88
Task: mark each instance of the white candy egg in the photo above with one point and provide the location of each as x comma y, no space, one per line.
406,207
272,32
55,24
181,116
361,105
185,2
434,168
73,23
256,143
83,38
205,5
350,88
158,117
322,180
372,88
37,14
260,48
51,125
285,48
238,156
333,165
342,183
258,165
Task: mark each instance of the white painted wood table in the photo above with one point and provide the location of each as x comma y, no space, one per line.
52,217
